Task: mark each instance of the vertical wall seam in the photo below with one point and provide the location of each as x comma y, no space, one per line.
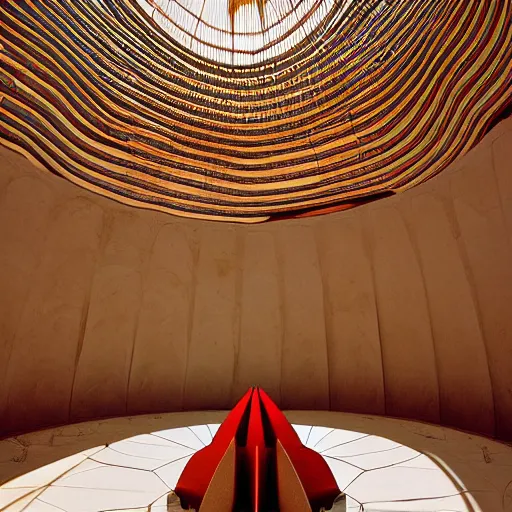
282,308
143,273
419,260
107,218
196,252
367,232
327,314
466,265
10,346
240,248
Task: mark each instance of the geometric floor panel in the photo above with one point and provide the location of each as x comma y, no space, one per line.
137,474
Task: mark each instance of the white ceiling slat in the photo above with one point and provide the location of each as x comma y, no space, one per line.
205,27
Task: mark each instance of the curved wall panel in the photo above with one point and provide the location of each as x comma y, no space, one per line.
401,307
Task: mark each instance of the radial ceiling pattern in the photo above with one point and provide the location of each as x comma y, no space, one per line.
245,111
240,32
138,474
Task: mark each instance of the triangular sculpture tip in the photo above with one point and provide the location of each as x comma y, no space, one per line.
257,463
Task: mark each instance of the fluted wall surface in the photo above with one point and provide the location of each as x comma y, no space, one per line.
402,307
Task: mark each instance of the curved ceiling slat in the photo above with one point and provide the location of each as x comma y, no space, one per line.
374,98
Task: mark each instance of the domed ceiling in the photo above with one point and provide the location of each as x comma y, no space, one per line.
240,32
249,110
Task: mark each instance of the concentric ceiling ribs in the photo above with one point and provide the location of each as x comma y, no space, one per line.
242,32
378,97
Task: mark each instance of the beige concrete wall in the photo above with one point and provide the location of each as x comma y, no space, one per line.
402,307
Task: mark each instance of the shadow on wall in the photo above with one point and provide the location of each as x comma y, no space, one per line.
400,307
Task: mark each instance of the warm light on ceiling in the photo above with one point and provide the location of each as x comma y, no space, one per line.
240,32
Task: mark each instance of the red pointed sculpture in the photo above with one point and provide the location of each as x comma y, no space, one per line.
257,463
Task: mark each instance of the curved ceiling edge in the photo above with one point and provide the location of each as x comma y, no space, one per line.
388,97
